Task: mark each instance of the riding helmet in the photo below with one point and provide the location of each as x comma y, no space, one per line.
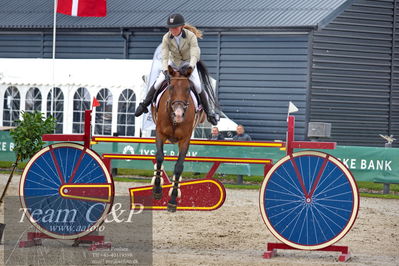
175,20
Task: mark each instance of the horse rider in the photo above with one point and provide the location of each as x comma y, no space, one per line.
179,46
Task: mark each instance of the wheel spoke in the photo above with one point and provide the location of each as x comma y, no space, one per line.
293,183
335,208
286,217
84,174
279,192
318,224
49,180
293,219
331,189
49,167
41,184
281,205
327,178
296,222
283,188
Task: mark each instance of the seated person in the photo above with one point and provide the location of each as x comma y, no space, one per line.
241,135
215,134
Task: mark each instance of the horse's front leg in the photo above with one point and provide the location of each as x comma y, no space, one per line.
174,191
157,180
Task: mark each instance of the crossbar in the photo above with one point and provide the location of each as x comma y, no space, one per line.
63,137
314,145
188,158
192,142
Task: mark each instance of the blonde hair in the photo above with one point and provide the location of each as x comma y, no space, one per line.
194,30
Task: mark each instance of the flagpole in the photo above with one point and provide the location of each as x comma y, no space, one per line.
53,57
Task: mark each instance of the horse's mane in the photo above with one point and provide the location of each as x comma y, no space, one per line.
205,80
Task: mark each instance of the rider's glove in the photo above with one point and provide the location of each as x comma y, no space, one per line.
166,74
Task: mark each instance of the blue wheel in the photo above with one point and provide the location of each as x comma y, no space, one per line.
309,200
66,191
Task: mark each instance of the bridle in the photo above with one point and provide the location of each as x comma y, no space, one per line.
170,104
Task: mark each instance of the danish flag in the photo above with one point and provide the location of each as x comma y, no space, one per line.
82,8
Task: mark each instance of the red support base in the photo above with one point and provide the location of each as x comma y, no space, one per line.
95,241
272,250
197,195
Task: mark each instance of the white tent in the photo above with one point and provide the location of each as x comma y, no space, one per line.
71,74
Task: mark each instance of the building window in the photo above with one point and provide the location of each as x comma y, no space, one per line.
12,101
33,100
58,107
81,102
126,108
104,113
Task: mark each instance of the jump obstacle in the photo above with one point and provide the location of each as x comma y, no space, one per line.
308,199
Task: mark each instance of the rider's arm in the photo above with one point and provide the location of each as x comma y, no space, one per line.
194,51
165,52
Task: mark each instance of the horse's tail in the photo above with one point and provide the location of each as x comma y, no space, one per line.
204,75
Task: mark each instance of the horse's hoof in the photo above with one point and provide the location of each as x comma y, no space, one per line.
157,193
172,207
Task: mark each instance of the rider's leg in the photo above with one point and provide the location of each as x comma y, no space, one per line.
204,98
210,115
142,108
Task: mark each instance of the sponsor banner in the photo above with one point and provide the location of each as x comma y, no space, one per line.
366,163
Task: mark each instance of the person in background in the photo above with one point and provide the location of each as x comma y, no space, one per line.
215,134
241,135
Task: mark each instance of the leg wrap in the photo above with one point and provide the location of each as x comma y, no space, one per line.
157,175
176,185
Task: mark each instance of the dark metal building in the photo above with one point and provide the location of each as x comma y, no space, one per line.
354,75
335,59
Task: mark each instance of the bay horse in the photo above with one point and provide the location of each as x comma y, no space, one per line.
175,121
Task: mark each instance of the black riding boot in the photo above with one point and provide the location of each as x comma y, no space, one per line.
211,116
142,108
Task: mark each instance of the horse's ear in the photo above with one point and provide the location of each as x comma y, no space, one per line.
171,71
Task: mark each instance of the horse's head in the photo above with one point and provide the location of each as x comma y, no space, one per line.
179,91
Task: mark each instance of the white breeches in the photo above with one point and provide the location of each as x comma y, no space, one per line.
194,78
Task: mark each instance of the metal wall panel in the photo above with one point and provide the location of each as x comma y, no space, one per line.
90,45
142,46
394,112
351,73
77,45
259,75
21,45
